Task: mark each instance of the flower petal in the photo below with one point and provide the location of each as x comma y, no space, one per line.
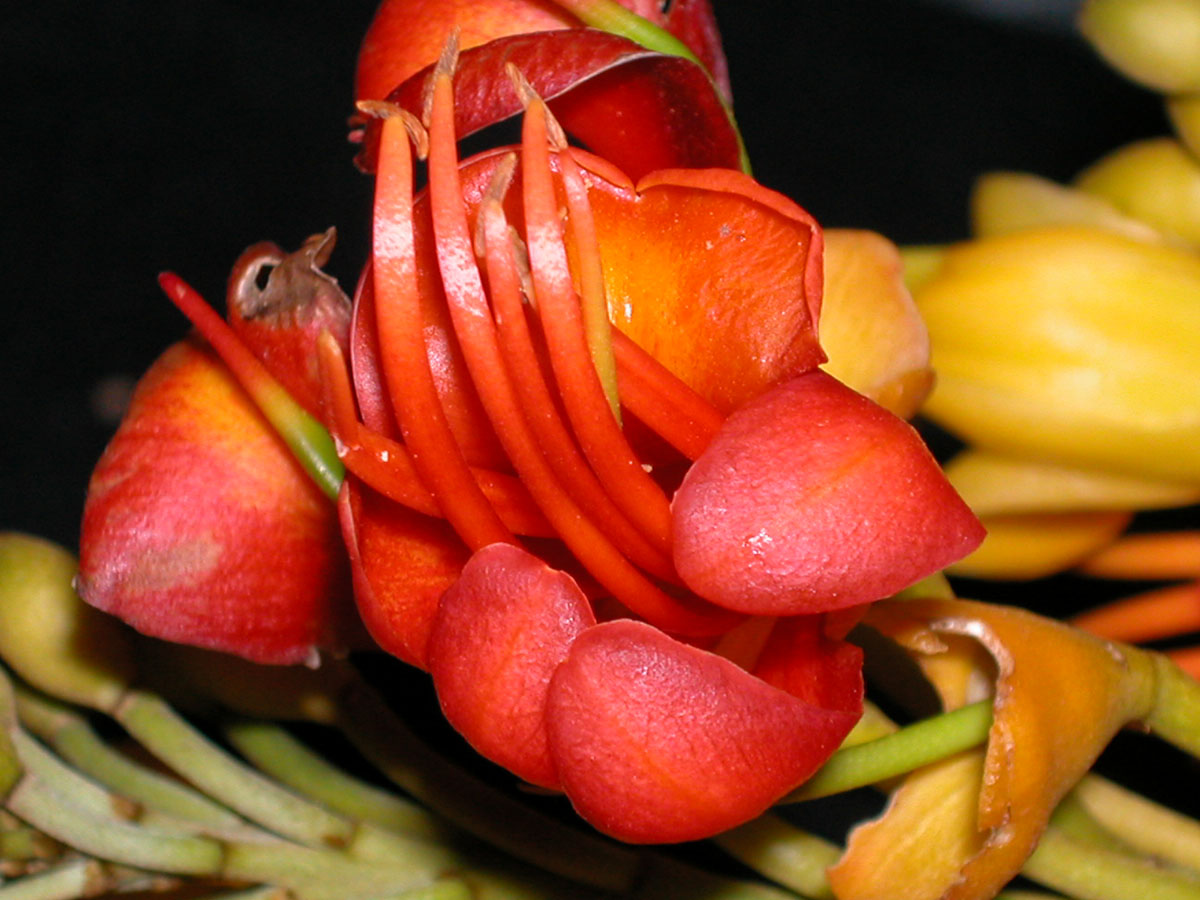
402,562
659,741
813,498
191,487
639,109
500,632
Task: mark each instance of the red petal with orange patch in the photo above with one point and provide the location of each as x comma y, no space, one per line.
658,741
813,498
192,487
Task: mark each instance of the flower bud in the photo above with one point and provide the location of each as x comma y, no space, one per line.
1154,42
1156,181
1004,202
1184,110
1070,344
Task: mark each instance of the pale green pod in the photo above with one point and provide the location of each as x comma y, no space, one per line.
50,637
1072,345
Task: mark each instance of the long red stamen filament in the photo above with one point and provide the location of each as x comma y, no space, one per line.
1148,616
662,401
599,434
597,328
555,439
472,317
386,465
405,360
589,545
1169,555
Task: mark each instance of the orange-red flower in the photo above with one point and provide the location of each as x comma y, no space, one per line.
620,377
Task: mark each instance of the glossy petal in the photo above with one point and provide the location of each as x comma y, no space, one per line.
813,498
658,741
685,256
192,486
500,632
639,109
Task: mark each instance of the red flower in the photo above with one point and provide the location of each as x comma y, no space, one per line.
644,671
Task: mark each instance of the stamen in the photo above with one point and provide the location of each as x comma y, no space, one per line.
662,401
604,445
587,542
1148,616
472,319
541,411
386,466
1171,554
404,357
597,328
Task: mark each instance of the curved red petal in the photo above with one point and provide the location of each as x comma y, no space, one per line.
200,527
813,498
645,110
402,563
658,741
801,659
500,633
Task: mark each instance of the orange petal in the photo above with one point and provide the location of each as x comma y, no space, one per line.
402,562
500,632
1040,744
658,741
727,292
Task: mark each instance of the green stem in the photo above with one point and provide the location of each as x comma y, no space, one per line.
783,853
1175,716
77,743
909,748
221,776
276,752
77,878
312,874
1083,870
1142,824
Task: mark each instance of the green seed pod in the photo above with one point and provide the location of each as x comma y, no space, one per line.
1153,42
49,636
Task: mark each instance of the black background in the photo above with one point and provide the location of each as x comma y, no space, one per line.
143,135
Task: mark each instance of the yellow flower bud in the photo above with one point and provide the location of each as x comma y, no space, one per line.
1156,181
1154,42
1073,345
1004,202
870,327
1184,110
